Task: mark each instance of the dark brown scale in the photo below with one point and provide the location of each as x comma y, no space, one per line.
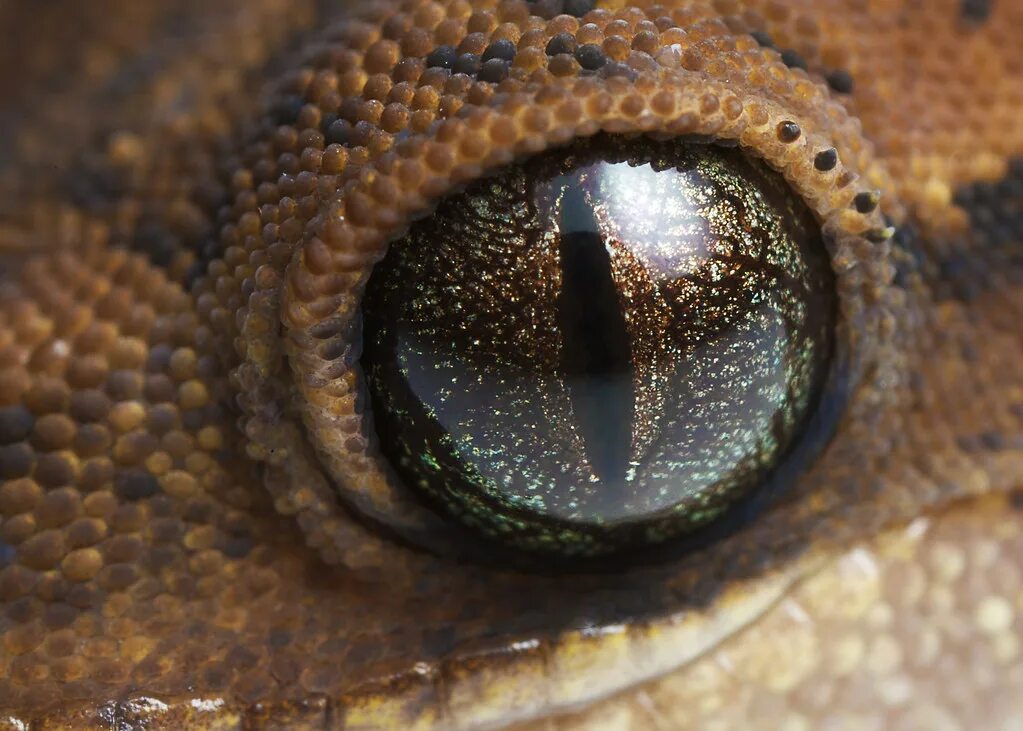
16,423
997,228
975,11
494,71
135,485
590,56
579,8
468,64
561,43
503,50
16,460
442,57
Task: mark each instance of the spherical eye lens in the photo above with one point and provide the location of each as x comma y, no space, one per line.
605,346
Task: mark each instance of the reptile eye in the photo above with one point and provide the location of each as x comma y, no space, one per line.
602,347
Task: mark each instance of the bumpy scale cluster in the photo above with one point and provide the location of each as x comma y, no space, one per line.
151,434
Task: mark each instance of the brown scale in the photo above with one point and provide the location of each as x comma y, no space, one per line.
244,593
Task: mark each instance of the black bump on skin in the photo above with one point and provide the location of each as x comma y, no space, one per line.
789,132
442,57
561,43
590,56
826,160
975,11
135,485
792,59
866,202
494,71
469,64
840,81
763,38
503,50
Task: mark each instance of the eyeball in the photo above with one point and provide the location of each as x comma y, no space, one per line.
605,346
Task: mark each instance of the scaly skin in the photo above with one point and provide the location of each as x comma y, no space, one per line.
181,445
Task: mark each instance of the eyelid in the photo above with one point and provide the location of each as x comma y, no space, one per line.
317,294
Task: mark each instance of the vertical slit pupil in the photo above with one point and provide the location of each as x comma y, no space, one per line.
596,358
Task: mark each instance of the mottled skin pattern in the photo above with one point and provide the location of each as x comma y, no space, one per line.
197,529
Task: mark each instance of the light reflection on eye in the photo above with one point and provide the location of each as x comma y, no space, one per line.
603,347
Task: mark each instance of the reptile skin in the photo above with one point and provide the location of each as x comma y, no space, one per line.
192,195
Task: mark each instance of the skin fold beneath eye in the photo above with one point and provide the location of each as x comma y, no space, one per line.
227,287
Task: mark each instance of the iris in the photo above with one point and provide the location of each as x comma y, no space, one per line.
602,347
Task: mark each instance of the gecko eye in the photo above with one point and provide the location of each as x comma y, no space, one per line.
603,347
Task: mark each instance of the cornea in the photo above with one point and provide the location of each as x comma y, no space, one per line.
322,287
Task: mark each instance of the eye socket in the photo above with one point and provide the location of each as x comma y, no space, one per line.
603,347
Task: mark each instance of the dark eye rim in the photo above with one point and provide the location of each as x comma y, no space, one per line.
817,427
823,418
463,543
319,303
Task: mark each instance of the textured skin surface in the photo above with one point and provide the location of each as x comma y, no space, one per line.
183,453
